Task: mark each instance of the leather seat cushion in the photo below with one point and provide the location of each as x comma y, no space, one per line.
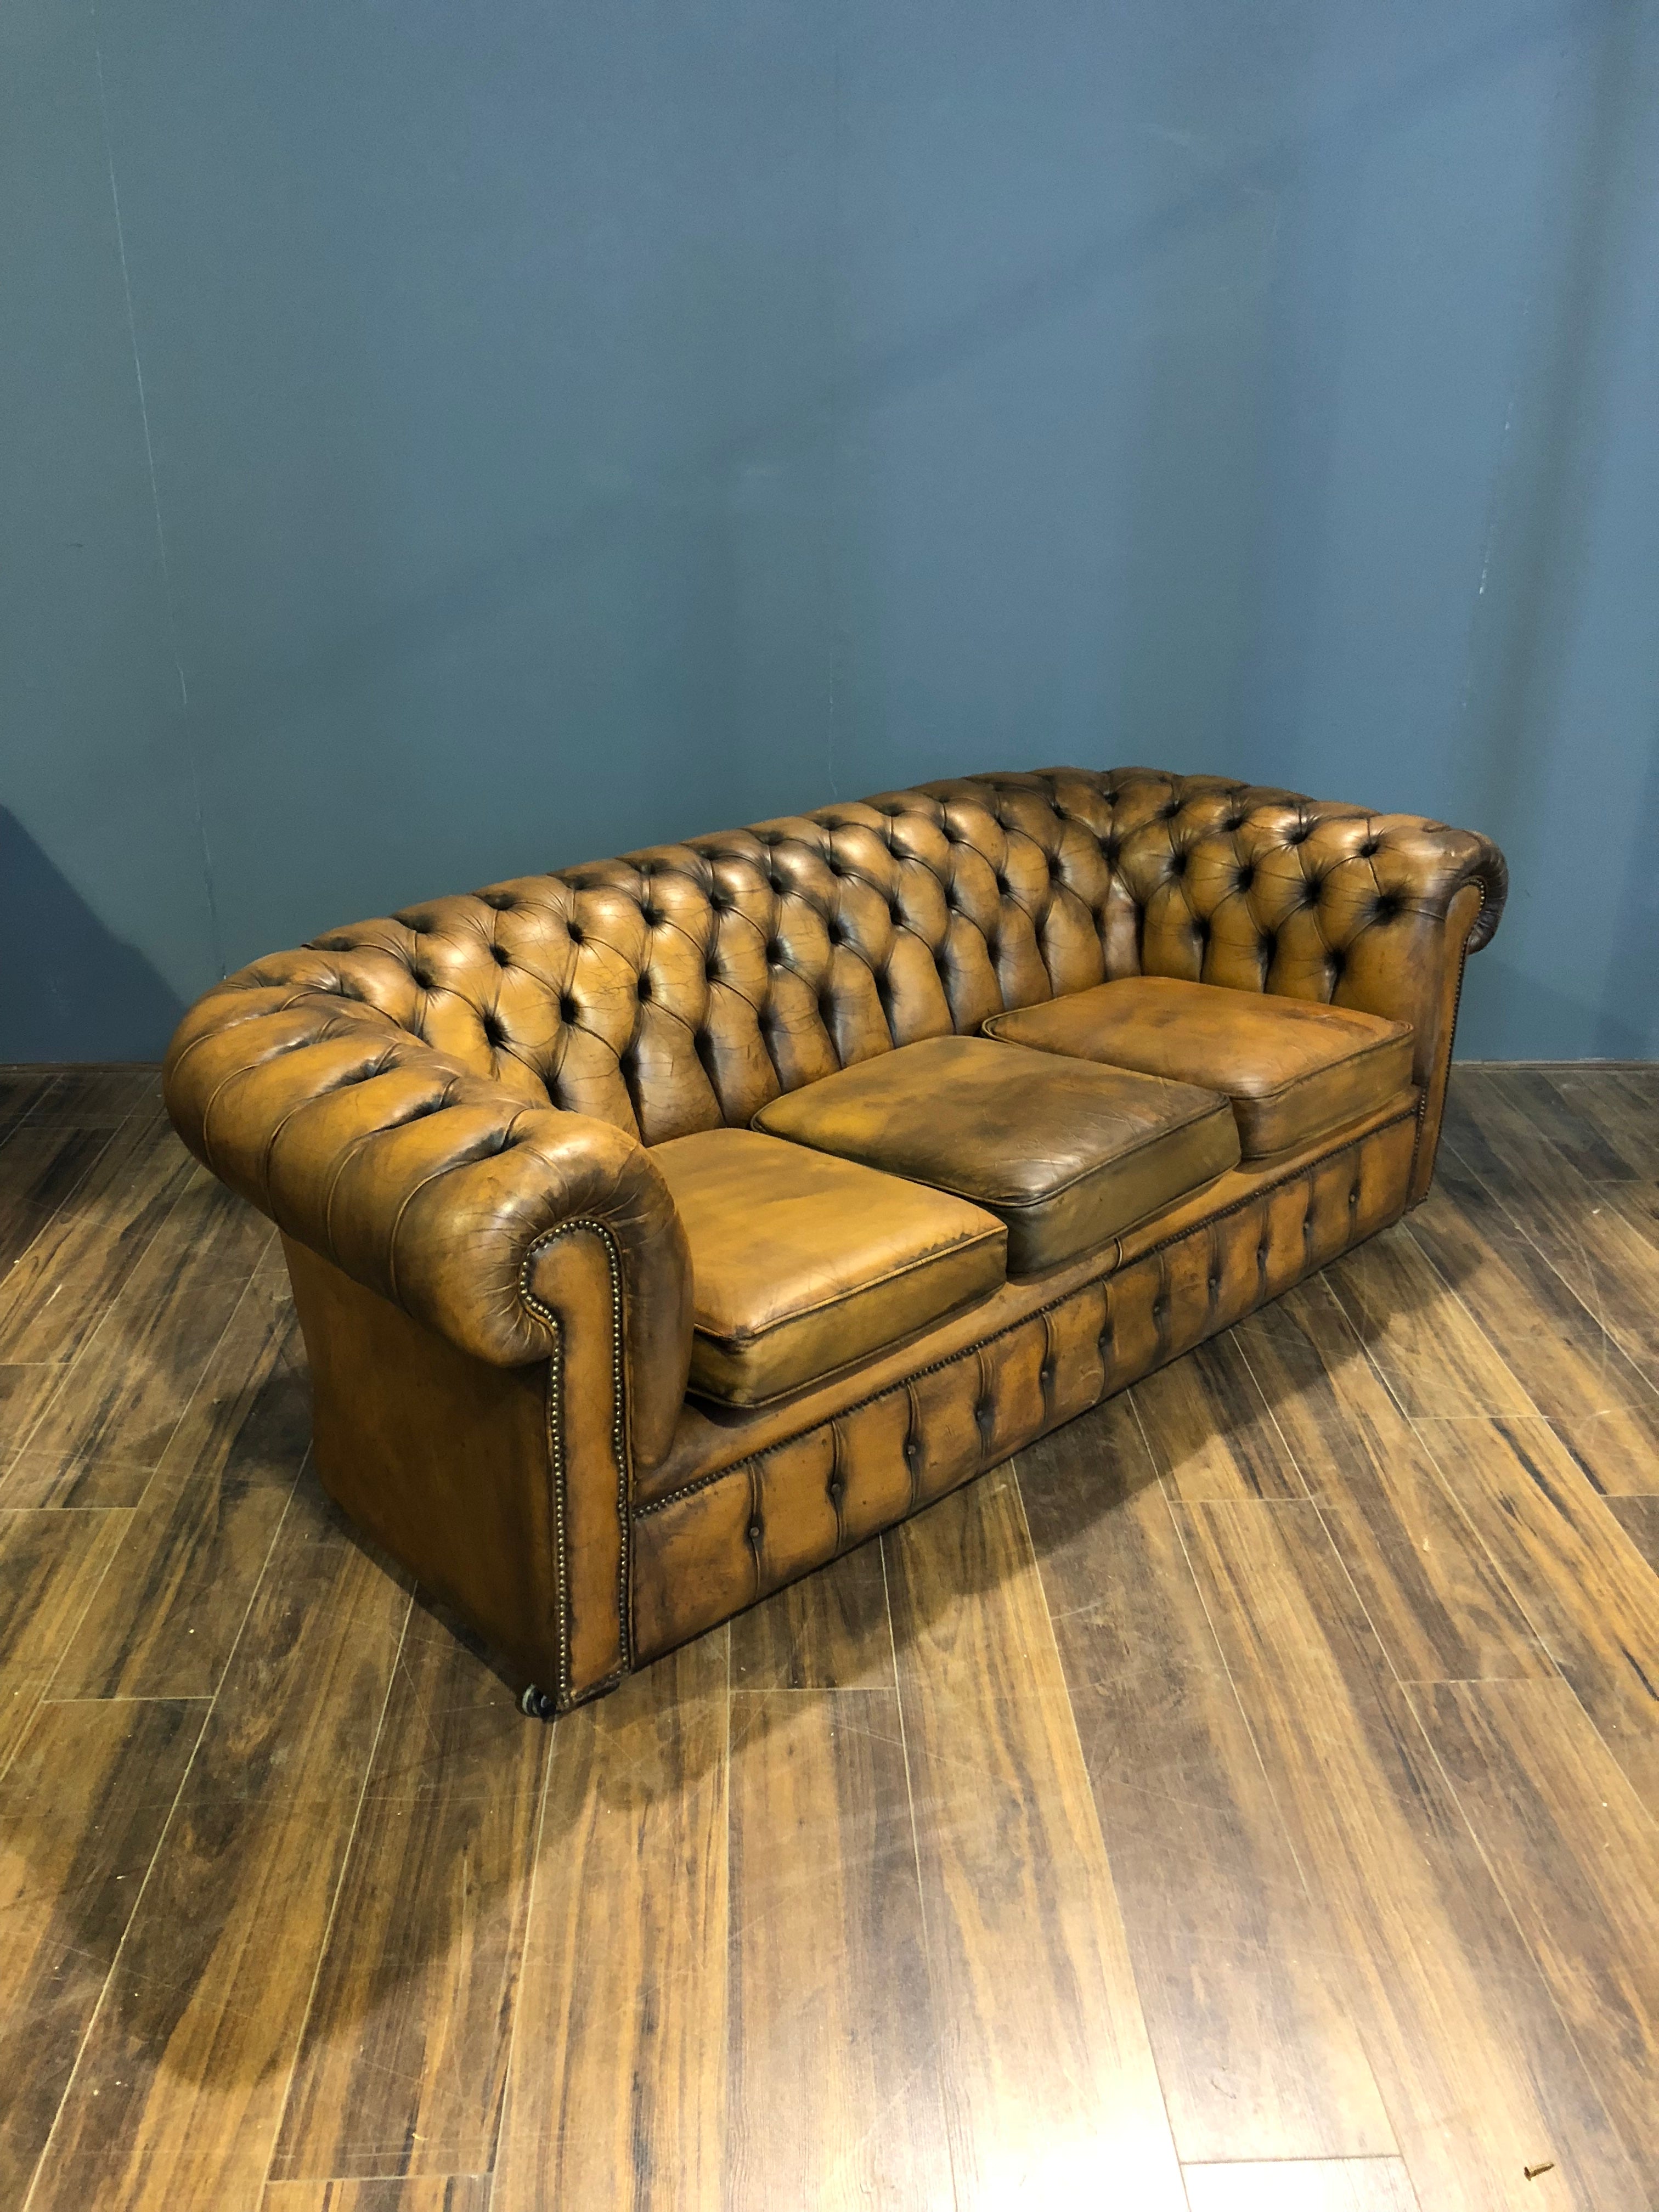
1064,1153
802,1262
1293,1067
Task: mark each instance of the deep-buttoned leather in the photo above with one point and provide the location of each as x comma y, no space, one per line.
802,1262
1066,1153
453,1107
1293,1068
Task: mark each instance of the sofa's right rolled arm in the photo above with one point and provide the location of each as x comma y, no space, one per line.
438,1188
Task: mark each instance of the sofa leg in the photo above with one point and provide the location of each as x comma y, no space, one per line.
536,1704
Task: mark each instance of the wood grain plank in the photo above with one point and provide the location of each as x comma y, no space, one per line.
44,1163
1570,1365
1441,1608
1639,1519
51,1563
1049,2075
1579,1860
102,1435
57,1292
1621,1106
617,2086
1479,2074
81,1808
1559,1111
1325,2185
180,2083
96,1097
828,1632
167,1612
1424,1342
451,2192
1605,1259
21,1090
1210,1433
403,2058
1255,2047
24,1393
833,2058
1583,1584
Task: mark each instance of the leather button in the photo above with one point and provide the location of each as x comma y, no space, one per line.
753,1532
567,1008
574,932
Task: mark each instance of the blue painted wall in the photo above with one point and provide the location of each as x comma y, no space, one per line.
459,439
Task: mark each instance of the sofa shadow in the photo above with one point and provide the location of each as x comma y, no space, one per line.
74,990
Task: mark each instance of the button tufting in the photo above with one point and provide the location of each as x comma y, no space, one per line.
753,1532
567,1007
574,932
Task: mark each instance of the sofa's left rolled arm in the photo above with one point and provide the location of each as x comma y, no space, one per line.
439,1189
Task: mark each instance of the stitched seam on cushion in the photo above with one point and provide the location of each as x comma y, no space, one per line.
742,1337
1312,1074
545,1313
1100,1167
1258,1098
1037,1313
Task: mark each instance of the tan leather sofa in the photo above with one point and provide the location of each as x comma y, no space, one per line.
661,1228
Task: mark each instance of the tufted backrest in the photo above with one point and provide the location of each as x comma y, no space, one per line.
682,986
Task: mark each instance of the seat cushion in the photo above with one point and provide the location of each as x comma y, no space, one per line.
1292,1067
802,1263
1064,1153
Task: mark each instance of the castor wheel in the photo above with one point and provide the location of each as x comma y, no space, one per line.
536,1704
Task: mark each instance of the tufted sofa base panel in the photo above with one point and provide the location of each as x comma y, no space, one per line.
789,1491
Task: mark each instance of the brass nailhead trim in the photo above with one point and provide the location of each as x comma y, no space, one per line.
556,1446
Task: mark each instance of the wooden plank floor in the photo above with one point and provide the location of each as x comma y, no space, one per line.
1246,1800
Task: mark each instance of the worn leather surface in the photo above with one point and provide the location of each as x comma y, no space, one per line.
799,1483
802,1262
1066,1153
710,1436
454,1105
1292,1067
432,1186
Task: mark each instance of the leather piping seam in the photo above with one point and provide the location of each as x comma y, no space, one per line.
1040,1313
545,1314
740,1340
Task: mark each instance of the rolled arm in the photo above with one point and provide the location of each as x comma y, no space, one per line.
437,1188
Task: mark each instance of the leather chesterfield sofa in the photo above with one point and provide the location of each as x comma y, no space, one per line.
663,1227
